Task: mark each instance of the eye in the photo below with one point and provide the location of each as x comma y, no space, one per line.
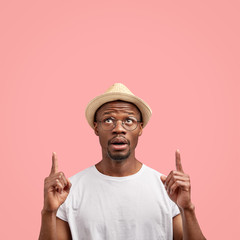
108,120
129,121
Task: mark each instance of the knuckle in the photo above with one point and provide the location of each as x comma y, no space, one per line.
188,181
61,175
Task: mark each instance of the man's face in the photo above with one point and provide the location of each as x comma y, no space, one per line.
118,143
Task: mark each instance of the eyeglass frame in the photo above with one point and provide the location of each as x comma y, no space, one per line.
116,120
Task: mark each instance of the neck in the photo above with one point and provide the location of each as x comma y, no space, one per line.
119,168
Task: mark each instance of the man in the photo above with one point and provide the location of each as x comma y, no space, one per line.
119,198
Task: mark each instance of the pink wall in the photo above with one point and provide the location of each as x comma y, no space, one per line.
182,57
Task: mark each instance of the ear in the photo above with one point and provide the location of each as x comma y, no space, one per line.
140,129
95,128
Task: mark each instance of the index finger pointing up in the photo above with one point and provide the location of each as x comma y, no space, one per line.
178,162
54,164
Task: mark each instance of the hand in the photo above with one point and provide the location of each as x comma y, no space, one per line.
56,188
178,187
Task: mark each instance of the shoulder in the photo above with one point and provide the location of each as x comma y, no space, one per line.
79,182
153,176
152,171
81,175
160,189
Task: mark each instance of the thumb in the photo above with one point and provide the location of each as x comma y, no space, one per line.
163,178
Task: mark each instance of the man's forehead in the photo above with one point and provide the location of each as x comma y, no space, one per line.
118,106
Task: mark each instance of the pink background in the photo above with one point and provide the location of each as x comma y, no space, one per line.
181,57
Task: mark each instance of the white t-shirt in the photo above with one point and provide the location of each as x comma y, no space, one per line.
135,207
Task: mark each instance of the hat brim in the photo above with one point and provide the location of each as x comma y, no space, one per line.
98,101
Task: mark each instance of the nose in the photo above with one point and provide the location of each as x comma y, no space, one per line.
119,128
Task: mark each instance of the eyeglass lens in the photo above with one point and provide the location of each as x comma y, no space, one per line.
128,123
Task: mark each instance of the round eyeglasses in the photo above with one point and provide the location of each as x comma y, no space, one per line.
129,123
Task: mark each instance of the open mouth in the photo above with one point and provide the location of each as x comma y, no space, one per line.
119,143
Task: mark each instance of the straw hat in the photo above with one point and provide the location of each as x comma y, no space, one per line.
117,91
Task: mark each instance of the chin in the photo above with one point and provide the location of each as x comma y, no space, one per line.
118,157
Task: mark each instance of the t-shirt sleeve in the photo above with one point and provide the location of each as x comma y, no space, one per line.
61,213
175,209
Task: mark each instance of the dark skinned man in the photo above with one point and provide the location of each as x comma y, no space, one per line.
119,198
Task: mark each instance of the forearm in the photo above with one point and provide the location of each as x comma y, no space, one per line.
48,226
191,228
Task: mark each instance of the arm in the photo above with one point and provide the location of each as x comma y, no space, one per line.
177,227
177,184
185,226
56,190
63,230
191,228
53,228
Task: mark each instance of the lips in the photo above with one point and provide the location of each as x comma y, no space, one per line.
119,143
119,140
